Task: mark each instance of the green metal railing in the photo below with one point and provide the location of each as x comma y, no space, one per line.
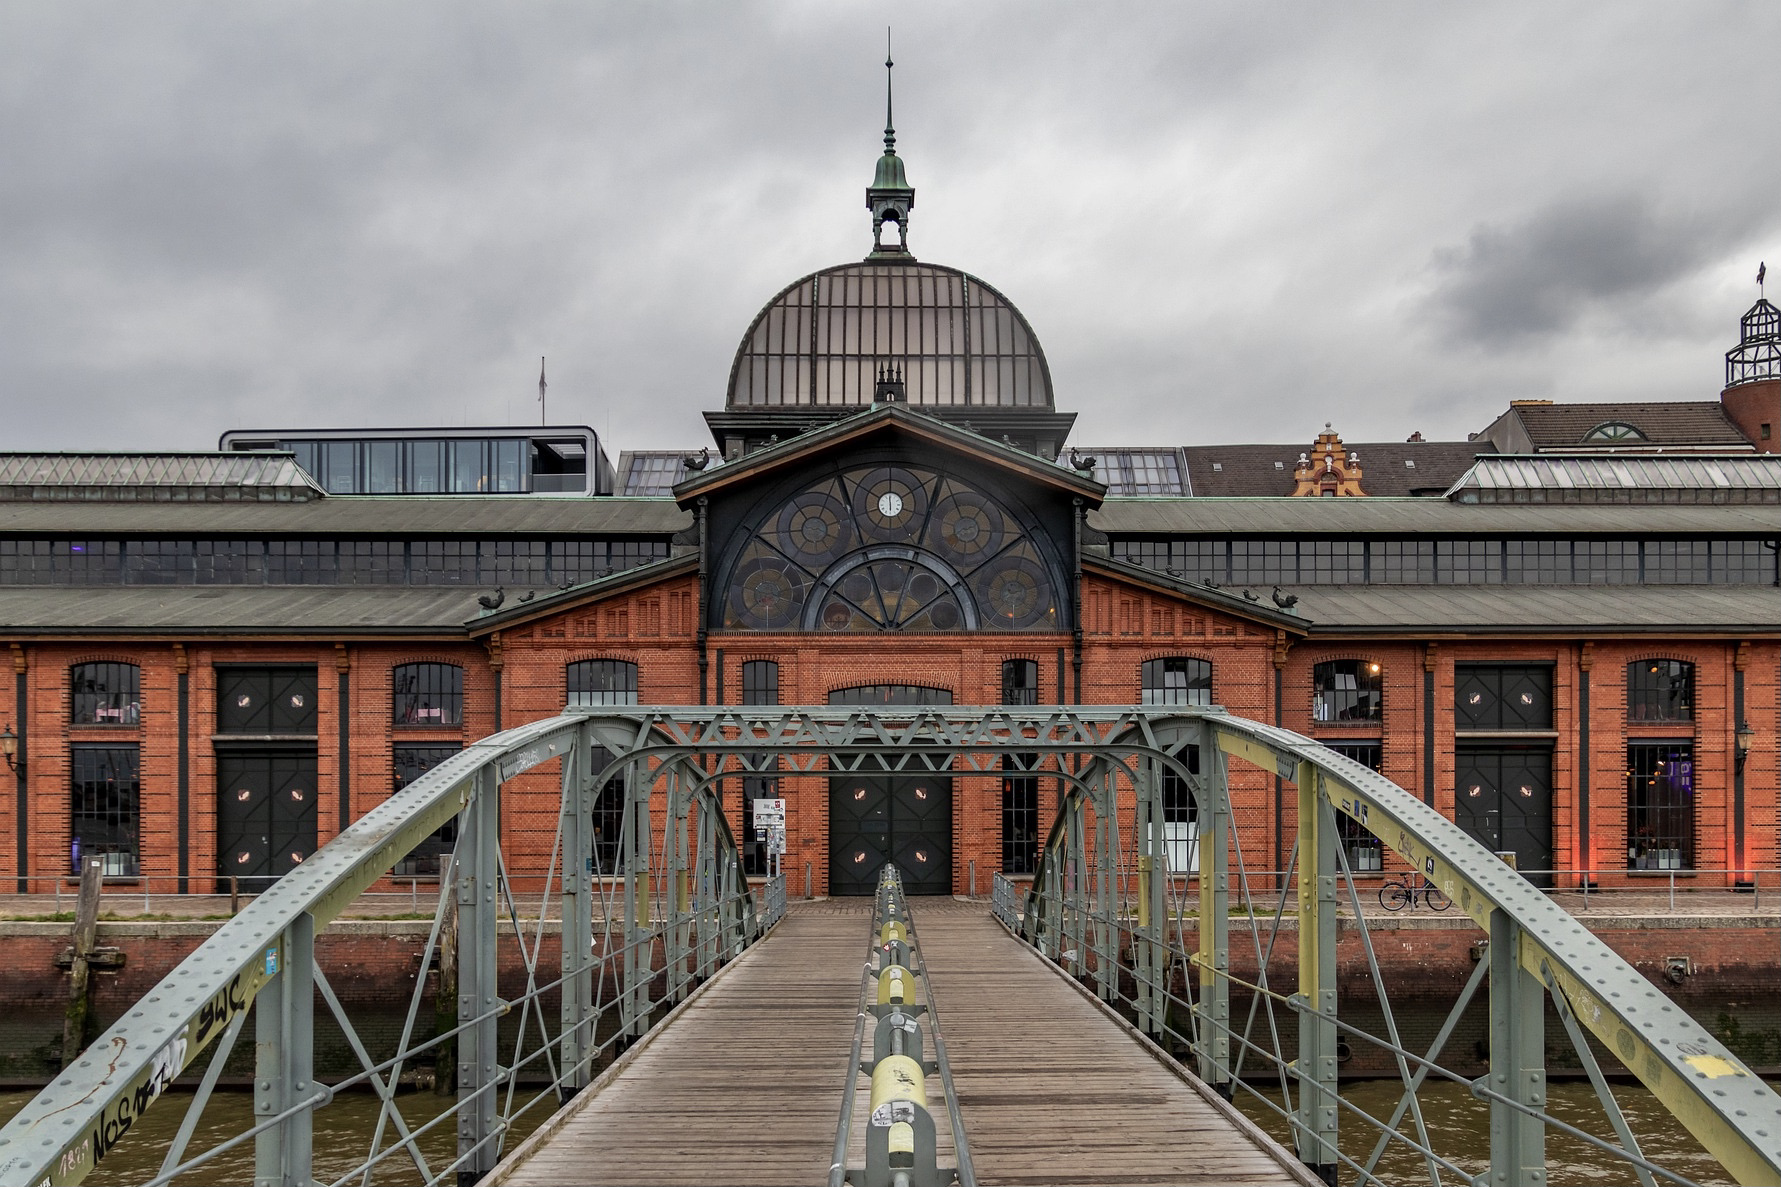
635,940
1114,903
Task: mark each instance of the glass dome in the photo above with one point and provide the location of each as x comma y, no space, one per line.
957,341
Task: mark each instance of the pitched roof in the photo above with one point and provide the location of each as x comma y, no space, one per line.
1623,478
1540,609
888,418
370,515
1218,599
1388,468
1336,517
155,477
1679,422
262,610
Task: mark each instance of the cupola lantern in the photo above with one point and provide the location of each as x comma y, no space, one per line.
890,197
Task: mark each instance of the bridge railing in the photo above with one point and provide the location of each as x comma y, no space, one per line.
897,1009
513,1033
1111,904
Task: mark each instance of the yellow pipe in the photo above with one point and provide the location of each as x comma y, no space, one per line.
895,985
900,1078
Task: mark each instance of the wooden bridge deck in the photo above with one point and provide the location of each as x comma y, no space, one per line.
743,1085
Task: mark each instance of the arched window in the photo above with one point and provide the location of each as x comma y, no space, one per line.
105,694
1020,684
1176,680
1660,690
1614,430
760,682
890,548
1347,690
890,694
602,682
427,694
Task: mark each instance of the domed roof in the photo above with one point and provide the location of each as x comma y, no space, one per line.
957,341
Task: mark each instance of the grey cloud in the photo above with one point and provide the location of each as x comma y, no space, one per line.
1218,216
1540,275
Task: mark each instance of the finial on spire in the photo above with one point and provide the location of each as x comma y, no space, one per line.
890,130
890,197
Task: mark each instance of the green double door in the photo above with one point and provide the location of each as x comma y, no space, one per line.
265,817
878,818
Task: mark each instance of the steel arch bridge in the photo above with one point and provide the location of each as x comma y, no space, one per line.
638,939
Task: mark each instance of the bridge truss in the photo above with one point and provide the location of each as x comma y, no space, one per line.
1105,903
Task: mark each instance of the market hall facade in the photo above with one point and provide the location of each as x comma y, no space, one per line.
1565,633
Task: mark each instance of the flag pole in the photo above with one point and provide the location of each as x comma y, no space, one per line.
542,418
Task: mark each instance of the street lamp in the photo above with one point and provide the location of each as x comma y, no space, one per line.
9,746
1745,736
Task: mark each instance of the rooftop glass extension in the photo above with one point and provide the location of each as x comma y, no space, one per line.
553,460
1138,472
1622,478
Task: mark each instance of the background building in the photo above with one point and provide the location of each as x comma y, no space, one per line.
1563,633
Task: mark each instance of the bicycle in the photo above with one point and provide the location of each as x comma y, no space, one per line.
1399,893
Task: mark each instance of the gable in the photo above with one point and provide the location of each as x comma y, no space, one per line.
891,531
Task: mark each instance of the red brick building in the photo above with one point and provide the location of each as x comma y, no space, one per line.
219,660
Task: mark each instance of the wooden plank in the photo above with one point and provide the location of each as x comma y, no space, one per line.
1053,1090
744,1085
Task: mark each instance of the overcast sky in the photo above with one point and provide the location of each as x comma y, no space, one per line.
1226,222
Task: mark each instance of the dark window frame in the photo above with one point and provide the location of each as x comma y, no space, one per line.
409,761
760,686
890,694
1157,683
105,693
589,683
105,806
1660,690
1020,682
1020,814
1365,852
1661,805
1363,701
427,694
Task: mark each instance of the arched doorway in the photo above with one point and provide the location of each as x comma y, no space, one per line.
877,815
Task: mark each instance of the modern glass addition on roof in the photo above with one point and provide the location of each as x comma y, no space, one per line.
653,475
445,466
1138,471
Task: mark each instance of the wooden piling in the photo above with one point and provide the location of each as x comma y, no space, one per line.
77,1019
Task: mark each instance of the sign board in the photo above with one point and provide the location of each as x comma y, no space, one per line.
769,824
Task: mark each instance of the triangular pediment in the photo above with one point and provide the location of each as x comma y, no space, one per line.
888,422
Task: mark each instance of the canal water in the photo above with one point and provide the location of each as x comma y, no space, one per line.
1461,1125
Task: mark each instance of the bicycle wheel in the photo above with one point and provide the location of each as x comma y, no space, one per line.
1435,899
1394,896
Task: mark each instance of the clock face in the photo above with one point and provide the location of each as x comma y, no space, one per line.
890,504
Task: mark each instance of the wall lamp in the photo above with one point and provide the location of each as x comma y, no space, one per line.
9,746
1745,738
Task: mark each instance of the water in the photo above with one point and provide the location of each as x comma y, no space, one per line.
1459,1129
1460,1125
342,1136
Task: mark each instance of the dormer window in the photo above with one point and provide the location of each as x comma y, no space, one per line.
1614,430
